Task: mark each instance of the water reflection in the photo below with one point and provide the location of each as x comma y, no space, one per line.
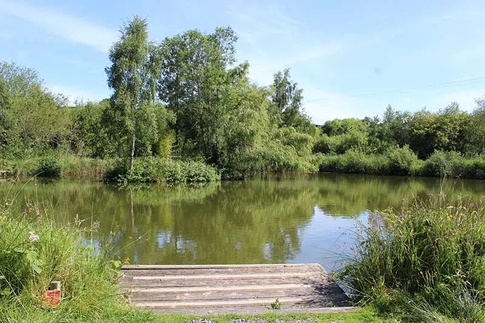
266,220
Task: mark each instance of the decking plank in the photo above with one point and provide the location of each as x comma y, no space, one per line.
154,271
130,283
230,288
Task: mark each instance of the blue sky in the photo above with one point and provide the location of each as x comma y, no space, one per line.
352,58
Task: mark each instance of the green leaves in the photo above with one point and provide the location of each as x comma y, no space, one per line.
131,76
33,258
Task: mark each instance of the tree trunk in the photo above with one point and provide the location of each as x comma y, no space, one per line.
132,155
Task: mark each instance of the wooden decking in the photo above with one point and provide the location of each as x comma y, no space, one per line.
239,289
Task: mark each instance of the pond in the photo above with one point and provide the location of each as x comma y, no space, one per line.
276,219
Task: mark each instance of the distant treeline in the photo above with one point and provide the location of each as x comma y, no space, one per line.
186,99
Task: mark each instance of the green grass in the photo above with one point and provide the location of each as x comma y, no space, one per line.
35,251
424,262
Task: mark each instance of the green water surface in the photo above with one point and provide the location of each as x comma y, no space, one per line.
267,220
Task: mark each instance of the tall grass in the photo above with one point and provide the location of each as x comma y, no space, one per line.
425,261
35,251
403,162
58,166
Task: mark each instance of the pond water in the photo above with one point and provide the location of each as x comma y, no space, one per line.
288,219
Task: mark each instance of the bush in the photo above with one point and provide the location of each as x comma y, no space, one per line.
469,168
48,167
438,165
116,172
431,252
402,161
157,170
356,162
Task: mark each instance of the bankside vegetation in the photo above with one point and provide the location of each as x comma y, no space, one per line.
424,262
188,99
35,251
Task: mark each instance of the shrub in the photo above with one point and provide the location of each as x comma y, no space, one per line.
158,170
440,164
402,161
469,168
48,167
116,172
354,161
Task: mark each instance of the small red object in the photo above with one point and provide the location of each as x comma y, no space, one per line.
52,296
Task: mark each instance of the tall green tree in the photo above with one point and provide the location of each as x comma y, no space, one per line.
33,119
196,78
287,98
131,76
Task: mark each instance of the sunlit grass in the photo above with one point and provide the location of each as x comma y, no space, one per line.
425,261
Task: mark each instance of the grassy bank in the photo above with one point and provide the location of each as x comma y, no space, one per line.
424,262
35,251
146,170
403,162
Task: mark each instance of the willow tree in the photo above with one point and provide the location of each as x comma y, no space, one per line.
131,77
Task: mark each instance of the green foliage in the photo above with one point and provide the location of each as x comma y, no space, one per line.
431,252
161,170
356,162
440,164
133,107
402,161
48,167
89,135
276,305
356,316
469,168
34,251
287,100
32,119
445,130
187,98
339,136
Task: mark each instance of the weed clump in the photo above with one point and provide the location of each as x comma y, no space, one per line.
423,261
35,251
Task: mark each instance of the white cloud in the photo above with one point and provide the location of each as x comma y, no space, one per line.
68,27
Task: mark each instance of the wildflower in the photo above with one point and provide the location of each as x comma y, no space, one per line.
33,237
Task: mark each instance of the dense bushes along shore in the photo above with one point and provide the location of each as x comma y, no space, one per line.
399,162
146,170
403,162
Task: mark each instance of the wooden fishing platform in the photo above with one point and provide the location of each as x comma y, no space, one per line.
238,289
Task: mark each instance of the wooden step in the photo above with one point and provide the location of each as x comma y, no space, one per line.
230,288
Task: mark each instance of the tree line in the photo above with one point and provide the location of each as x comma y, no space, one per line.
187,98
